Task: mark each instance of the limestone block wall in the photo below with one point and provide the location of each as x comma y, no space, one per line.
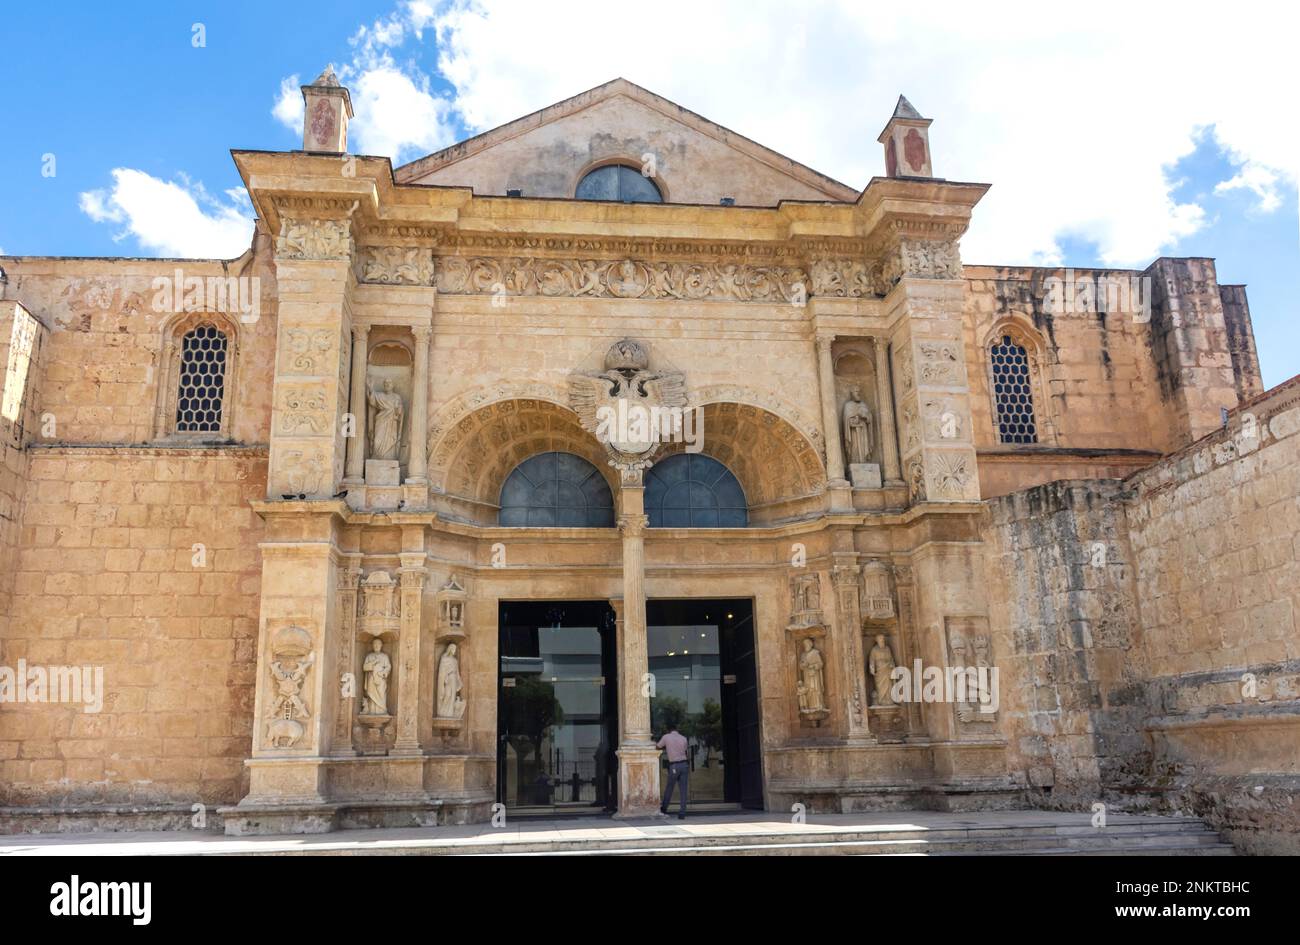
1115,382
1153,646
108,577
22,343
1214,535
103,361
1061,596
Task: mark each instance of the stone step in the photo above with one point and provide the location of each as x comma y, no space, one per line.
1157,845
1189,839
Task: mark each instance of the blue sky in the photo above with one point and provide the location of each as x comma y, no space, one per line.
1113,153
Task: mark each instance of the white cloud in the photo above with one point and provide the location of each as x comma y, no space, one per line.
1074,120
396,115
289,106
1260,181
172,218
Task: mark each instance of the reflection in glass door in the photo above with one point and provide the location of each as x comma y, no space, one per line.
694,646
556,714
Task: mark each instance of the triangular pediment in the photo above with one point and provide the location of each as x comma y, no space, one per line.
695,161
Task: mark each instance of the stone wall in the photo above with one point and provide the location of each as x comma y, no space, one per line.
1155,655
107,577
1139,368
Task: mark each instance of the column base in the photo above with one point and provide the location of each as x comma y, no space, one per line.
638,781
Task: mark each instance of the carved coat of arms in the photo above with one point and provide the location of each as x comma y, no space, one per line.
629,407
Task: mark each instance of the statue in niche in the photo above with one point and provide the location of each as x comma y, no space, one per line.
857,422
385,421
812,680
881,664
450,703
378,667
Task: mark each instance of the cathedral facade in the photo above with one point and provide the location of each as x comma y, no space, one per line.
473,476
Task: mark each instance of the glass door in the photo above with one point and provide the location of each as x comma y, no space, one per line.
556,713
701,655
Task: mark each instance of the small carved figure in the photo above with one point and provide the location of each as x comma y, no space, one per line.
450,703
811,679
378,667
857,422
386,411
881,664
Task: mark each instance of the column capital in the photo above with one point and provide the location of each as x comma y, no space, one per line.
633,526
824,341
360,332
422,333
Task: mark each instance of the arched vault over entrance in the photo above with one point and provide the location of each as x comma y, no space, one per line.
471,457
779,469
478,439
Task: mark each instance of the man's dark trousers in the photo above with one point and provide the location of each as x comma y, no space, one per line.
678,773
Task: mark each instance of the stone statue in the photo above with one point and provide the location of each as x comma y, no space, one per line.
450,703
377,668
385,421
812,683
881,664
857,422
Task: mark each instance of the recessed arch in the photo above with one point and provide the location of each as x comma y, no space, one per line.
1012,352
692,490
556,489
618,180
197,375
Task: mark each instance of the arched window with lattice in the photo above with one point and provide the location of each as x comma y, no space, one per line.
1012,377
195,401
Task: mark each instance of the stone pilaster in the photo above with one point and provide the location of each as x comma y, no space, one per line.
297,692
412,575
638,758
848,627
349,581
908,642
356,449
830,412
931,388
315,280
885,405
417,465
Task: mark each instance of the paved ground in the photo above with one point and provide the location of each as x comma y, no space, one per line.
528,835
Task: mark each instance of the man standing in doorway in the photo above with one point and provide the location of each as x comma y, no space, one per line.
674,746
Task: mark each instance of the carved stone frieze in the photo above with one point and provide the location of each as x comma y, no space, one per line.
622,279
313,239
395,265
